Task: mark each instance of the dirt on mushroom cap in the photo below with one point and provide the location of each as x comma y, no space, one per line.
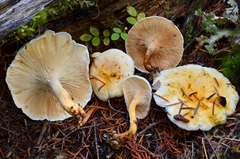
197,82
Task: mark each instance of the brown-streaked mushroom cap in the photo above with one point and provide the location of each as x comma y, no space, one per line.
107,72
154,42
196,97
137,94
49,73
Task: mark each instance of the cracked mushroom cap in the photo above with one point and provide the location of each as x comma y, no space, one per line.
208,96
108,71
159,34
49,56
138,88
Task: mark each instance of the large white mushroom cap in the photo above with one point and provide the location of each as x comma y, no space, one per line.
108,71
192,83
49,57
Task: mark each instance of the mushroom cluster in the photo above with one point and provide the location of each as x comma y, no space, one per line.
49,78
195,97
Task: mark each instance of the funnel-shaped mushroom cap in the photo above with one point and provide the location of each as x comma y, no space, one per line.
49,57
108,71
138,88
209,94
161,36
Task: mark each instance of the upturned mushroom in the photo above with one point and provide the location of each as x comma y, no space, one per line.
137,95
49,78
196,97
154,42
107,72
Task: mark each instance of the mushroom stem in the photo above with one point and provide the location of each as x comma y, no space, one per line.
133,121
146,62
66,100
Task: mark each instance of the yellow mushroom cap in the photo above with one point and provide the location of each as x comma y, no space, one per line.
108,71
197,83
49,56
159,34
138,88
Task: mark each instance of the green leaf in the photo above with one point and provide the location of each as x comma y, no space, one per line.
106,41
131,20
141,16
115,36
124,36
96,41
210,49
117,30
94,31
106,33
220,154
235,150
85,37
199,12
131,11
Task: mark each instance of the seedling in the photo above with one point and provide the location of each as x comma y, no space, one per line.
117,33
94,36
134,17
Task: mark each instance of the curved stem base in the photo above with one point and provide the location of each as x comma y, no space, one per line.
146,61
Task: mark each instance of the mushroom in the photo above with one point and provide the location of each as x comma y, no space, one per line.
48,74
137,94
196,97
107,72
154,42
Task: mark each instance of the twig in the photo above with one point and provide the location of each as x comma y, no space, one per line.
211,145
219,147
85,127
95,137
153,155
204,148
149,127
114,108
192,150
44,128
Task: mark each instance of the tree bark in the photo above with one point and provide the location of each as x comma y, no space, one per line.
14,14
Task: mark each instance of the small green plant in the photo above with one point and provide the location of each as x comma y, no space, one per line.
134,18
215,26
235,150
39,20
94,36
22,32
96,39
117,34
116,31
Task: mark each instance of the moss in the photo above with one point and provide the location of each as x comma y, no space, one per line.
231,65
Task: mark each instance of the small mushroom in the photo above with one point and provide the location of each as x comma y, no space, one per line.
49,77
137,94
108,71
154,42
196,97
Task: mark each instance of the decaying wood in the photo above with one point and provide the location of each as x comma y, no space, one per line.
13,17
